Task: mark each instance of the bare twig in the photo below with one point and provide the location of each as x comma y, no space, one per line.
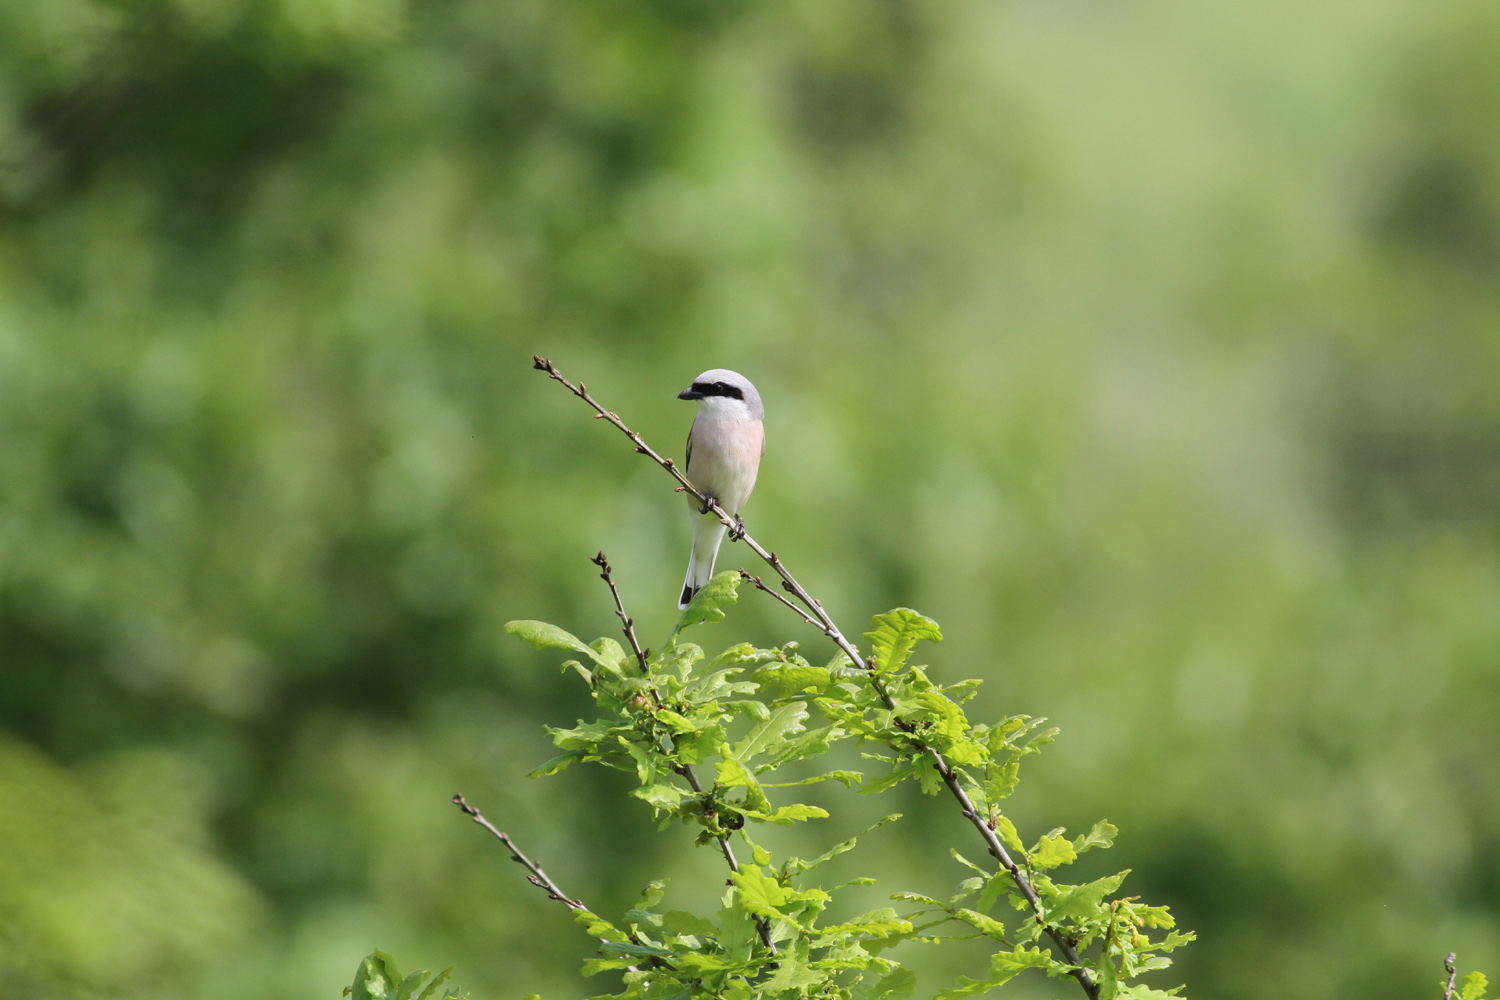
821,620
626,621
536,876
749,577
534,873
1450,965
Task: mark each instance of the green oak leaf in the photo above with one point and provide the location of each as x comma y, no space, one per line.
1004,966
1007,831
790,680
787,815
898,985
708,604
783,722
1053,851
682,922
896,633
1083,900
376,977
1102,835
545,636
797,866
437,981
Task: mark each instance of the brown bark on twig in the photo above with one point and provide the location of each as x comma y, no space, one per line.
534,873
626,621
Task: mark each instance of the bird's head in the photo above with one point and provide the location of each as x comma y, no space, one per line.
720,390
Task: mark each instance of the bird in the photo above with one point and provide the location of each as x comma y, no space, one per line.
724,447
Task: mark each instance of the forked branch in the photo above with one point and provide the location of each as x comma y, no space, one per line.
749,577
821,620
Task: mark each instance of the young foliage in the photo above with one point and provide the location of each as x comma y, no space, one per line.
1474,986
377,978
746,713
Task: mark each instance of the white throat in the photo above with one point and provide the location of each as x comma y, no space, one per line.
723,408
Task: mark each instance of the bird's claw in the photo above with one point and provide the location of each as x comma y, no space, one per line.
737,530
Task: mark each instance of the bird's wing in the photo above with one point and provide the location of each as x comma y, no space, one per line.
687,460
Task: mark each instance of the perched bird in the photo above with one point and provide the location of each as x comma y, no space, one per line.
723,455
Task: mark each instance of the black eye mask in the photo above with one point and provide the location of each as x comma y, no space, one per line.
703,389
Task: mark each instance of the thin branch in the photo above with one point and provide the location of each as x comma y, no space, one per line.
534,873
1450,965
581,391
627,622
821,620
536,876
749,577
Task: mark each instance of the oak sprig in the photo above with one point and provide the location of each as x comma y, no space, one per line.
746,713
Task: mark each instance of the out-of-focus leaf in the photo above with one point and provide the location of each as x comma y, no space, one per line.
682,922
1004,966
848,778
438,980
897,985
892,777
797,866
652,894
375,978
988,926
556,764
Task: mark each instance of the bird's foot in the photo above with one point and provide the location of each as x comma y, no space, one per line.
708,504
737,530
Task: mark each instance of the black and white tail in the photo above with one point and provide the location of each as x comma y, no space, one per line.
708,533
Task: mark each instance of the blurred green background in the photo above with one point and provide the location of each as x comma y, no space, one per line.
1152,348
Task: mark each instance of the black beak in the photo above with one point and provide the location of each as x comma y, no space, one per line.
688,393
